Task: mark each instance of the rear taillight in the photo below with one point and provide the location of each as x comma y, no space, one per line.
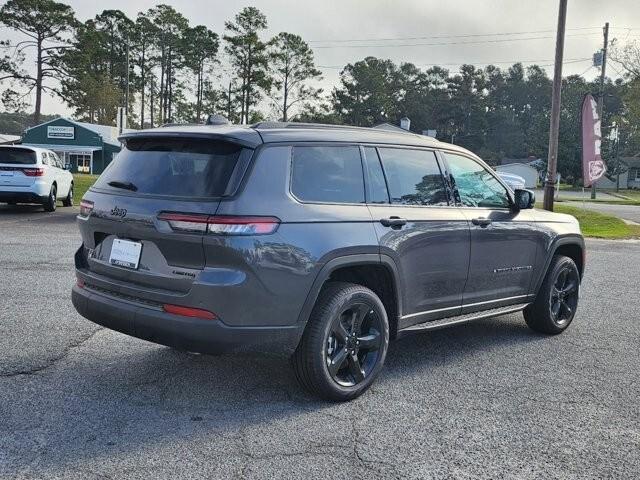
220,224
185,222
86,207
189,312
33,172
242,225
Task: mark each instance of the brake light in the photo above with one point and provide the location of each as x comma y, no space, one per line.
189,312
33,172
86,207
185,222
227,225
220,224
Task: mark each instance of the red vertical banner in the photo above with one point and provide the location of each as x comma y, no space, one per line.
593,167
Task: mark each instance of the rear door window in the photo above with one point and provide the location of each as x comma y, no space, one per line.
183,167
413,176
376,184
327,174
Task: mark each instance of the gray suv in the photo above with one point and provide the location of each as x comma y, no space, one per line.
314,241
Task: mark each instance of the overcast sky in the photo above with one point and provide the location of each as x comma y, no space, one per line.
447,33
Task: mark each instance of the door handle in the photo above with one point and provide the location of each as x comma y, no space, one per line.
393,222
482,221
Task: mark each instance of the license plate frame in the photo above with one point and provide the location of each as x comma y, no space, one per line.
125,253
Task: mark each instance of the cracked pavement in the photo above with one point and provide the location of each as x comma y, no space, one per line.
486,400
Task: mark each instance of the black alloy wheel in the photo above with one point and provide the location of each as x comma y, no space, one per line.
353,344
344,344
557,300
563,300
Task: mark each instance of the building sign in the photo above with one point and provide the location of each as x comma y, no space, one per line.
56,131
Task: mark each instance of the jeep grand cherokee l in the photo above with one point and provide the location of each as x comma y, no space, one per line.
318,242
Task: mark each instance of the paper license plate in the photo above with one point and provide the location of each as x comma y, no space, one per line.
125,253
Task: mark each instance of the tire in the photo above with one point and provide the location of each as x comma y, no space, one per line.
50,204
68,200
557,301
345,318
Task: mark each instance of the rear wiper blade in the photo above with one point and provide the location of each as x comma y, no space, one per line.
124,185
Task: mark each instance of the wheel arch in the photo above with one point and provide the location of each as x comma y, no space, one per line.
571,246
377,272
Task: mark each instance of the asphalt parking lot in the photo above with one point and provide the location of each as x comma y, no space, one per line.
487,400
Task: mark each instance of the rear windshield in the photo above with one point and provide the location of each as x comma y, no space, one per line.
17,156
184,167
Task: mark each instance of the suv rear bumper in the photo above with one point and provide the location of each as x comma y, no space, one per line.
22,197
183,333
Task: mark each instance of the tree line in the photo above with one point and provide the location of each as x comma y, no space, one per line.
166,70
158,65
497,113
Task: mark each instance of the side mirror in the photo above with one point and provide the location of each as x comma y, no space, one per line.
67,166
524,199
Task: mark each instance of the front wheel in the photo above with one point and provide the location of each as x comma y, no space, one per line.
50,203
557,301
345,343
68,200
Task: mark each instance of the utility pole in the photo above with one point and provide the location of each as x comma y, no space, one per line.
552,158
229,102
126,92
601,96
617,150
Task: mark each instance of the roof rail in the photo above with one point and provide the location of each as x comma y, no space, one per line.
328,126
177,124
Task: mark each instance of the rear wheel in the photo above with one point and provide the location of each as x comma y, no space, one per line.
50,203
345,343
68,200
557,301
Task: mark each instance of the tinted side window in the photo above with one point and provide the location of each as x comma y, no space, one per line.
327,174
376,184
475,185
413,176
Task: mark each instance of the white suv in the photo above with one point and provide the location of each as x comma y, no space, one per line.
34,175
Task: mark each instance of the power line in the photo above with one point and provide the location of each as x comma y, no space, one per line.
475,42
466,35
616,69
588,68
510,62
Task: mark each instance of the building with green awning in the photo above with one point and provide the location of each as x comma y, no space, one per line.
87,147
